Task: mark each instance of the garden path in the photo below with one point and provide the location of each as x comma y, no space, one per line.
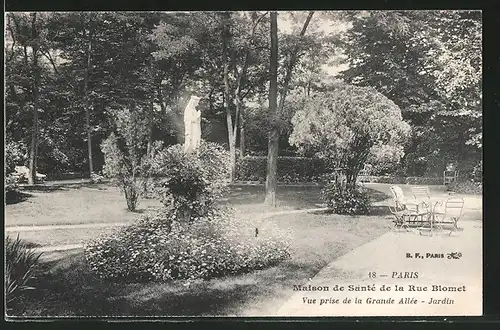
63,247
387,257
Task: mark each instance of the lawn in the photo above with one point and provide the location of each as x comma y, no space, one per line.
74,205
67,287
103,203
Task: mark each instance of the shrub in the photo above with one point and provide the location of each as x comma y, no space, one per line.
14,155
290,169
124,151
20,262
466,187
123,170
342,199
190,183
160,248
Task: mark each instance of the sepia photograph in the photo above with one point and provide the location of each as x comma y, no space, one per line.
165,164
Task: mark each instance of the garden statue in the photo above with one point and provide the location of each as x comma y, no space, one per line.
192,125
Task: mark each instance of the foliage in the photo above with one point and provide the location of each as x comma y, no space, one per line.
466,187
348,126
124,152
20,263
429,64
190,183
161,248
290,169
343,199
385,159
14,156
118,167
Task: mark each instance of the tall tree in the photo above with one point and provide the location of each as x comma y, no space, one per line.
88,33
226,35
35,53
272,153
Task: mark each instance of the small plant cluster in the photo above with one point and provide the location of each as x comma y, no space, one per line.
192,236
290,169
344,199
20,263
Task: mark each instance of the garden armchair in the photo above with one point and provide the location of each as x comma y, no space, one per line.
447,217
412,211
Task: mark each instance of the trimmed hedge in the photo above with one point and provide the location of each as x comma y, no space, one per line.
305,169
415,180
466,187
290,169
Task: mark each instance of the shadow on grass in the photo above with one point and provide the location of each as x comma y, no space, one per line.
376,195
62,187
15,197
379,211
67,287
299,197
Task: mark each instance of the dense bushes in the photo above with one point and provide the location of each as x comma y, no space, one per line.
466,187
192,236
290,169
20,262
342,199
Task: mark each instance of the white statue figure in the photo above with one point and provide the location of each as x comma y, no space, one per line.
192,125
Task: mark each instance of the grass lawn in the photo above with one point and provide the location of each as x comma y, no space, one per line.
105,204
67,287
74,205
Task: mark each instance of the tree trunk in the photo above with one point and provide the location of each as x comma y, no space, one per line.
151,128
87,103
276,110
227,100
242,136
272,153
36,82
